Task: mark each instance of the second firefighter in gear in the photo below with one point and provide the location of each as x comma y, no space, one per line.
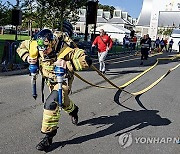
49,51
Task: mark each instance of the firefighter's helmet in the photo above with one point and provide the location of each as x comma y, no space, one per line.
68,28
45,39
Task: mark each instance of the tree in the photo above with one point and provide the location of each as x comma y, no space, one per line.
165,31
107,8
5,14
168,31
59,10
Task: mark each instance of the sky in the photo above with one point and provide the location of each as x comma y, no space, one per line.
133,7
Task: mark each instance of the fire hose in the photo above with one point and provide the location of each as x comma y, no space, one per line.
134,79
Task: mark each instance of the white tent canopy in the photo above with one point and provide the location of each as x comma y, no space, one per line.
108,28
115,32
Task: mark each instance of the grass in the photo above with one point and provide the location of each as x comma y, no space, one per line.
12,37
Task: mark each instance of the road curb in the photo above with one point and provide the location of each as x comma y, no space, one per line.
15,72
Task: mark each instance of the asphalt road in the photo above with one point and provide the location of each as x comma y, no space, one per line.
110,121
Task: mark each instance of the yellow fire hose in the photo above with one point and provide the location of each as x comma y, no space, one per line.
122,86
134,79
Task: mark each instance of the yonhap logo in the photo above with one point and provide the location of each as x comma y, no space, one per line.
125,140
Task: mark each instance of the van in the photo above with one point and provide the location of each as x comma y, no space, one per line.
175,35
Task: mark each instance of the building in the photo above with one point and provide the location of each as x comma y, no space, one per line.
120,19
156,14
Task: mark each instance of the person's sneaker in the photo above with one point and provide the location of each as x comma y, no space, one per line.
74,115
44,144
103,72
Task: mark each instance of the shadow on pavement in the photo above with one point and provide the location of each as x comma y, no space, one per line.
122,72
119,122
117,97
139,102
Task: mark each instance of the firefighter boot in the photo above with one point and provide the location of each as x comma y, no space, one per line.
74,115
46,142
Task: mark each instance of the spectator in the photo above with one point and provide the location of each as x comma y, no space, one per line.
148,42
126,42
104,43
145,47
170,45
134,42
157,42
162,44
165,44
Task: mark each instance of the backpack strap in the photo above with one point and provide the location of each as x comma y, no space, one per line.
103,41
42,89
64,51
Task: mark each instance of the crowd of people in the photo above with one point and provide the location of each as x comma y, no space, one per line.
164,45
130,42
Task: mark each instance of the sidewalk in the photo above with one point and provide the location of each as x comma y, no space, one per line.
15,72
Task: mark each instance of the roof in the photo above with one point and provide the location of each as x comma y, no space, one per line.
116,20
101,20
113,29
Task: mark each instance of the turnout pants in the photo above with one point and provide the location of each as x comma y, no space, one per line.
51,112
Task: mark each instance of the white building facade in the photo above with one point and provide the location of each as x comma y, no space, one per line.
120,18
158,13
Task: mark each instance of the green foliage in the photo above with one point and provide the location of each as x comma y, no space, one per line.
5,14
59,10
107,8
41,13
165,31
168,32
46,13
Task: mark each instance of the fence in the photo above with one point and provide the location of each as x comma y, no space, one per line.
116,49
9,59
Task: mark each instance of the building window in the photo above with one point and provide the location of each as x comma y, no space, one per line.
78,29
117,14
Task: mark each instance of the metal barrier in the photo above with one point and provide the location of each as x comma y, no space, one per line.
15,59
116,49
4,51
9,59
13,49
4,55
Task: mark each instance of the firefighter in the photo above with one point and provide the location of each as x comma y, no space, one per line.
48,47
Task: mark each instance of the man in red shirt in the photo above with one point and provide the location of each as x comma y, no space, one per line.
104,43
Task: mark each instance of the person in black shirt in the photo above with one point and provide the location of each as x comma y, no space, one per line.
145,47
